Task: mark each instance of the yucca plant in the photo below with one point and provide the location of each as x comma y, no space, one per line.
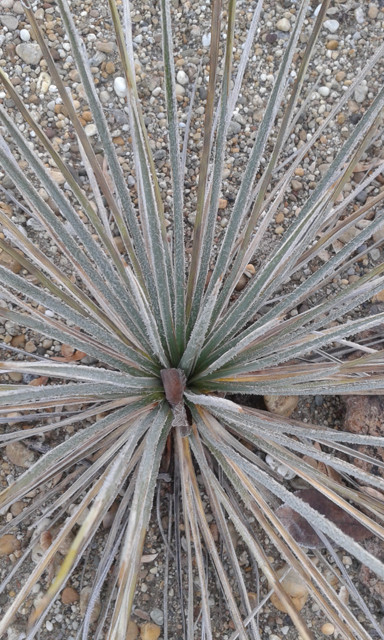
171,347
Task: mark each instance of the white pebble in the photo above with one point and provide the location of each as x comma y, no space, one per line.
361,91
206,39
359,15
283,25
317,10
182,77
120,87
25,35
331,25
49,313
90,129
324,91
49,625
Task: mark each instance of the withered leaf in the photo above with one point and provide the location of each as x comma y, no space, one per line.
304,534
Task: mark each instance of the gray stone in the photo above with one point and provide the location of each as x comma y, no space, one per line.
359,15
375,254
361,91
18,8
9,21
29,52
157,616
159,155
234,128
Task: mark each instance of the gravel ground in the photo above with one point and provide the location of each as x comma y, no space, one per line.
351,34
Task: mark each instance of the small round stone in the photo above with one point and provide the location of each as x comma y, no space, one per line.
25,35
157,616
283,25
69,595
324,91
182,77
90,129
120,87
109,67
328,629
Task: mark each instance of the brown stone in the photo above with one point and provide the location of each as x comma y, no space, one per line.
282,405
133,631
10,263
8,544
109,67
365,415
150,631
19,454
69,595
295,587
332,45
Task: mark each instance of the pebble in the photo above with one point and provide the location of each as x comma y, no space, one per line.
182,77
104,96
373,11
324,91
29,52
90,129
8,544
109,67
294,586
359,15
133,631
328,629
233,129
149,631
25,35
332,45
283,25
362,196
9,262
282,405
9,21
206,39
378,234
19,454
105,47
69,595
120,87
331,25
157,616
43,83
375,254
361,91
